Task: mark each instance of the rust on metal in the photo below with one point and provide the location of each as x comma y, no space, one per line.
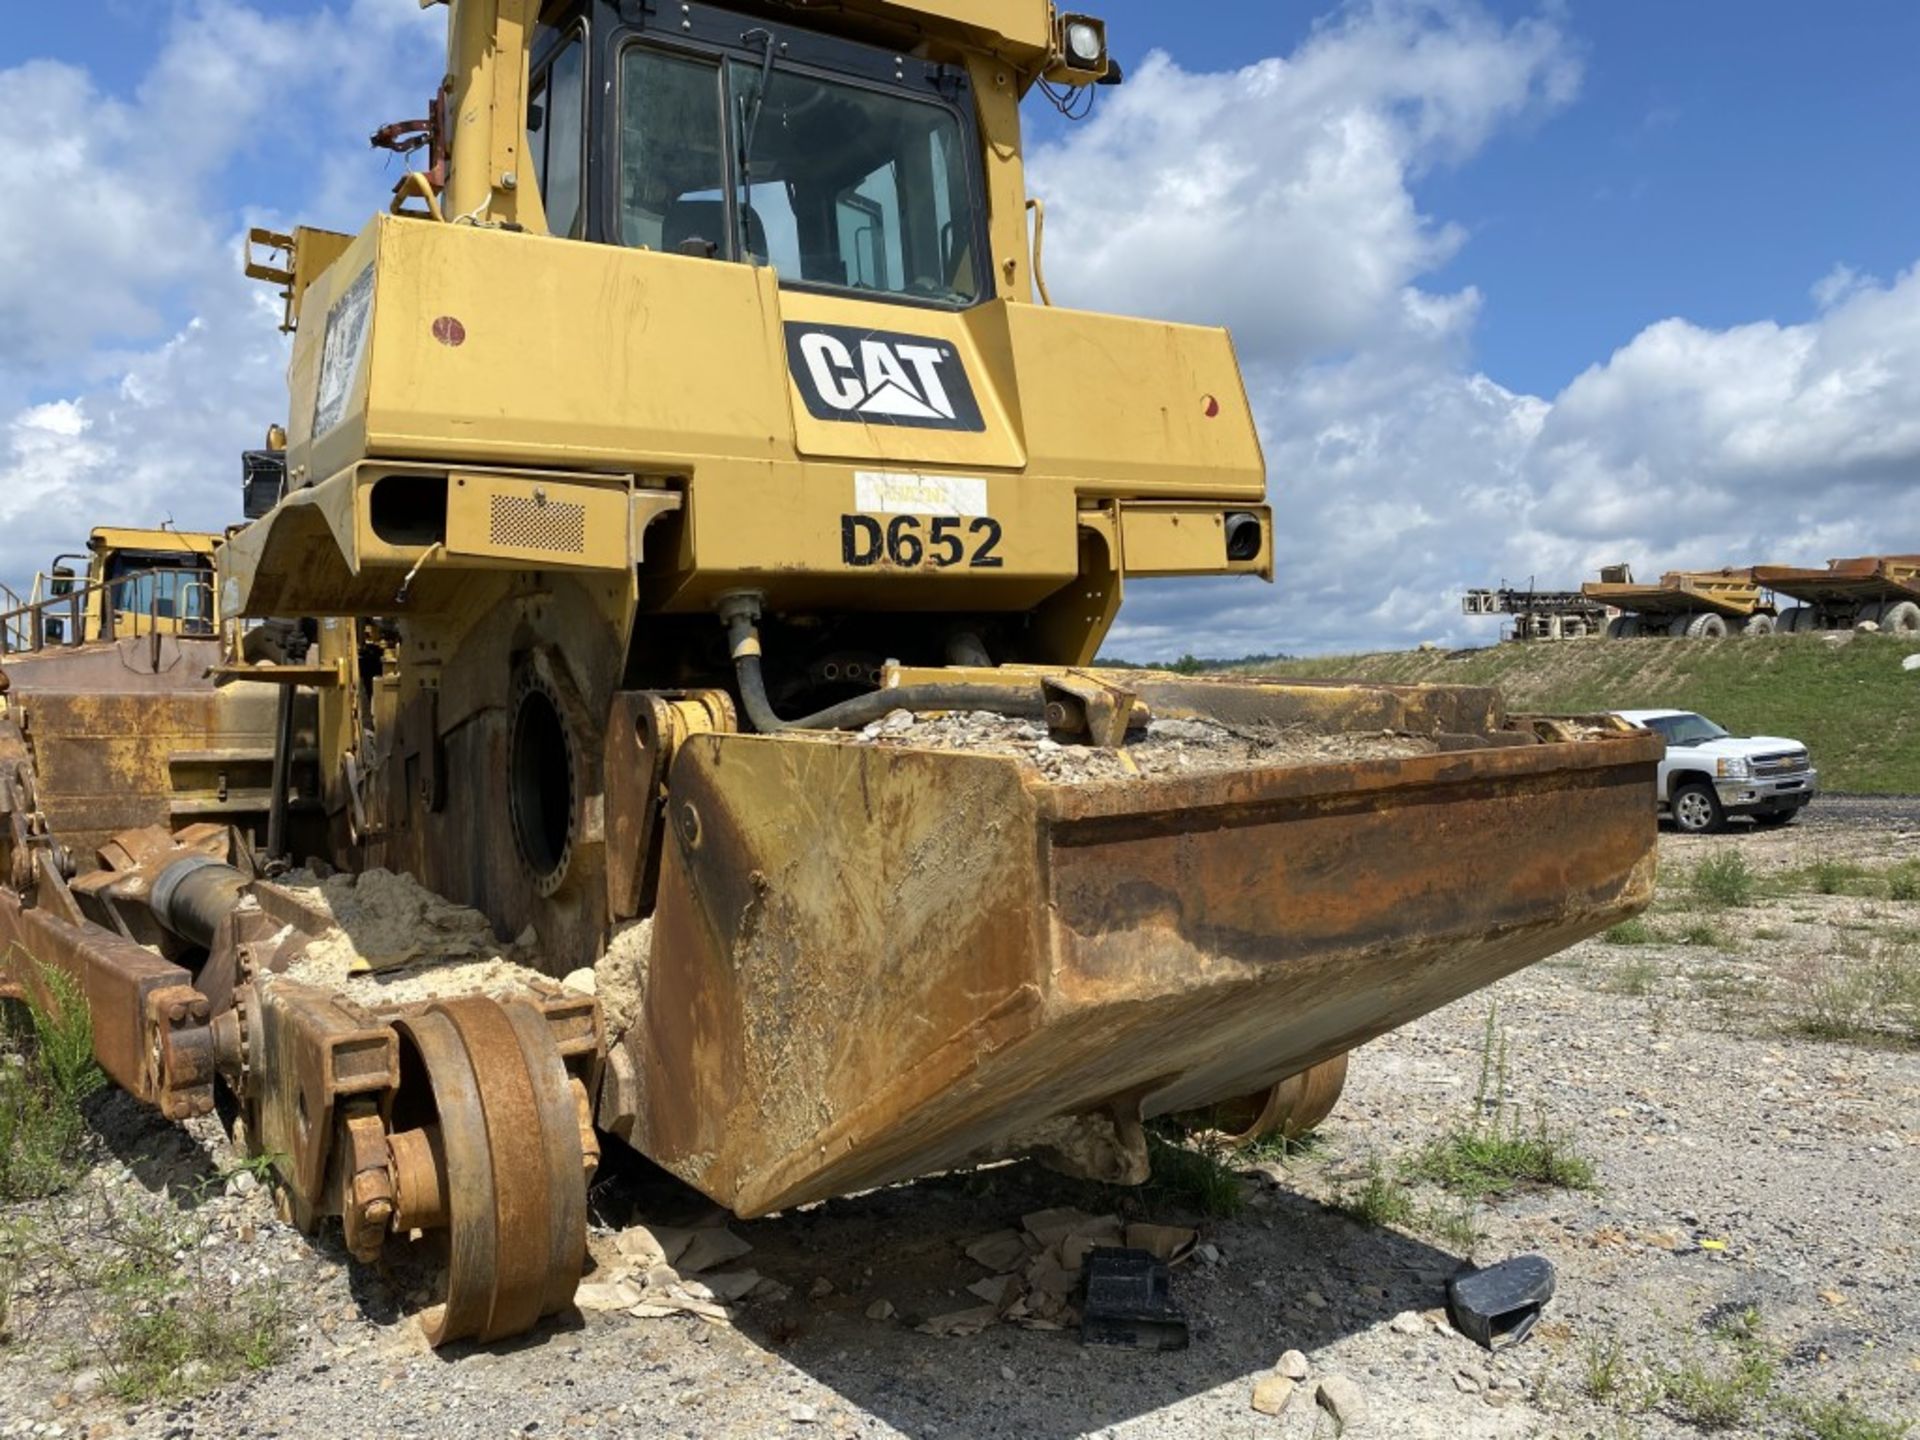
1292,1109
1183,940
501,1161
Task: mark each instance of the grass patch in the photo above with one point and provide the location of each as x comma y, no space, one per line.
1490,1162
1851,704
1452,1225
1838,1420
47,1072
1380,1199
1196,1174
1835,877
1717,1396
1733,1388
1703,933
1634,931
1603,1370
1383,1198
1724,880
165,1318
169,1329
1495,1153
1900,883
1636,977
1278,1149
1865,991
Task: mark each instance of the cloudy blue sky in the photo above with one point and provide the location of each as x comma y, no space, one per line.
1520,288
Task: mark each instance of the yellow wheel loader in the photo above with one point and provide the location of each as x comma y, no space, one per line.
690,548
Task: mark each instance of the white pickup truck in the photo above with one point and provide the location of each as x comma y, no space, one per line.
1709,775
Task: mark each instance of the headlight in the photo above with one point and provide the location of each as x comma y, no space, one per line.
1733,769
1085,43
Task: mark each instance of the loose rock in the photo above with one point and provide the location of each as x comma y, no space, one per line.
1343,1400
1271,1393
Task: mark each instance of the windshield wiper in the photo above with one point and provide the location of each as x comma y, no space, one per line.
750,124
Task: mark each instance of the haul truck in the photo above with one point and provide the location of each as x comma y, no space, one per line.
697,408
1883,589
1694,604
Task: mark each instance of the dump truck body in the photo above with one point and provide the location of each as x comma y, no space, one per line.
1697,603
1883,589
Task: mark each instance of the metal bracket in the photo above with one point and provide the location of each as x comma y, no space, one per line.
1080,703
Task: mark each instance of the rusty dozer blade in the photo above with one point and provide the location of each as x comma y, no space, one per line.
873,962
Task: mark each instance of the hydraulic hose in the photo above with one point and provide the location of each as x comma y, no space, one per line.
1023,700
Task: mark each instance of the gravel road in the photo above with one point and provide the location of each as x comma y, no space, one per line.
1757,1205
1883,812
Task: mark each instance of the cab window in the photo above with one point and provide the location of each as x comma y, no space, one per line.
673,170
556,134
854,188
165,585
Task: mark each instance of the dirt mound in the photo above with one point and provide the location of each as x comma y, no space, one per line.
393,942
1164,747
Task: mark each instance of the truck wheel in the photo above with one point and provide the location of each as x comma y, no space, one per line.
1758,625
1677,626
1706,627
1623,627
1696,809
1900,617
1796,621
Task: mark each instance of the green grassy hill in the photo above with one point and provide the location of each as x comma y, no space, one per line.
1851,703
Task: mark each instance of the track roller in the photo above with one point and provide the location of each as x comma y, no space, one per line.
488,1144
1292,1108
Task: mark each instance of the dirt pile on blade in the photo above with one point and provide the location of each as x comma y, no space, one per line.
620,974
1164,747
395,942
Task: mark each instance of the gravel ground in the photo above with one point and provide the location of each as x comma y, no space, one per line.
1743,1171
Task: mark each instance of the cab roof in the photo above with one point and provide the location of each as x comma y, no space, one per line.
185,542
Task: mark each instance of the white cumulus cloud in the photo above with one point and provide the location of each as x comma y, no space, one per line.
1280,200
138,361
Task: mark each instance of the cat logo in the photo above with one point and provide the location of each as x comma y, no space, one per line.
878,377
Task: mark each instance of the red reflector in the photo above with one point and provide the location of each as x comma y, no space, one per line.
449,331
1211,406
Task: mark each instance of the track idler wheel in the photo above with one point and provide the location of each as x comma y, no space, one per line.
495,1156
1292,1109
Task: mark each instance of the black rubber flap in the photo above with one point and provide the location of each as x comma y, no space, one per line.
1498,1306
1129,1302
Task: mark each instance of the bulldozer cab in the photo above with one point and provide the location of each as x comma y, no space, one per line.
845,166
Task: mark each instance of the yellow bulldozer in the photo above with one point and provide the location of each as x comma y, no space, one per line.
677,485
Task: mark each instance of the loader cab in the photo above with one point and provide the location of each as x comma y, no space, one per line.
141,582
127,582
847,167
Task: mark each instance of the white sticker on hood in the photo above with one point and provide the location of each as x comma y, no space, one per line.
884,492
